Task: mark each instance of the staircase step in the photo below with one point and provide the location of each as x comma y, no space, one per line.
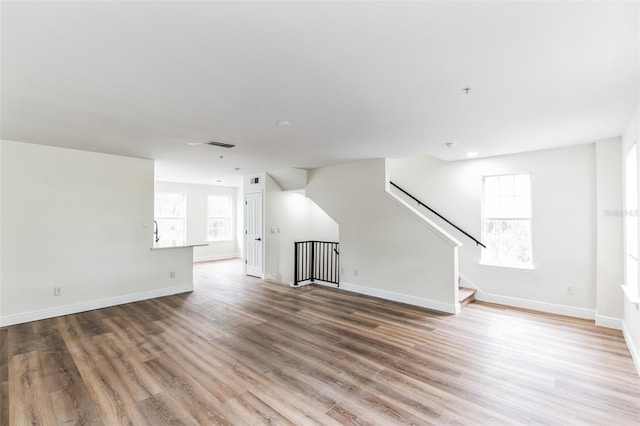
466,295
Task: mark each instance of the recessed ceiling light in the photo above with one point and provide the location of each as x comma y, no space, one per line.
450,144
237,169
283,123
471,154
219,180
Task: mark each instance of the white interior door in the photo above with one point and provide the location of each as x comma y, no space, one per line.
253,233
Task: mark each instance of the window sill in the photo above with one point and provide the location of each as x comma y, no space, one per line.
632,295
517,268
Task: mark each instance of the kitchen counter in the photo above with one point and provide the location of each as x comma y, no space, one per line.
155,247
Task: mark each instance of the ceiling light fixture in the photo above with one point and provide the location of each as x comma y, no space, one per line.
283,123
472,154
450,144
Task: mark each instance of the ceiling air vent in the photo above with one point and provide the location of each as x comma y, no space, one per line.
220,144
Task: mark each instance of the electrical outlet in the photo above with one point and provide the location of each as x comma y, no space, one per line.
57,291
172,274
570,290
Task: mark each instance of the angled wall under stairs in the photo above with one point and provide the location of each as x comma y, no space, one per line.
385,250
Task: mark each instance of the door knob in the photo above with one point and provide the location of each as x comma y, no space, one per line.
258,239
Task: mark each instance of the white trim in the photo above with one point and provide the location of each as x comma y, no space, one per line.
631,295
197,259
483,253
608,322
551,308
229,198
483,264
322,283
448,238
533,305
628,338
91,305
450,308
271,279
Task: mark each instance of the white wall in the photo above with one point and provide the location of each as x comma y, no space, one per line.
609,255
290,217
631,318
82,221
240,220
287,217
564,223
1,149
197,219
384,251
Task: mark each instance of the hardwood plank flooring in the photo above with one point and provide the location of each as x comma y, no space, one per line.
242,351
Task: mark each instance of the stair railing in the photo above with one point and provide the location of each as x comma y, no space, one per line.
316,260
420,203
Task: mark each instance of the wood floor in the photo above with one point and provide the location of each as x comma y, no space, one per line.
241,351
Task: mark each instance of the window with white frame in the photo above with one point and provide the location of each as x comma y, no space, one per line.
170,211
219,218
506,221
631,219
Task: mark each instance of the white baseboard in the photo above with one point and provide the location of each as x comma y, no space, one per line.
215,257
608,322
90,305
601,320
534,305
450,308
271,279
322,283
631,344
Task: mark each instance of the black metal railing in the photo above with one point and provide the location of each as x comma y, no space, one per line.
316,260
420,203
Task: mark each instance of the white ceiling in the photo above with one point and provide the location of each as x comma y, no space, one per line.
355,79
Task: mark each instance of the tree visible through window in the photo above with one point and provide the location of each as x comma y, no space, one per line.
170,211
506,220
219,218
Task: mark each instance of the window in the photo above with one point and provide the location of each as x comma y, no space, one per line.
506,220
171,215
219,218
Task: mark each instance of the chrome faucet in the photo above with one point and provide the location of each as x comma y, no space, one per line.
155,231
